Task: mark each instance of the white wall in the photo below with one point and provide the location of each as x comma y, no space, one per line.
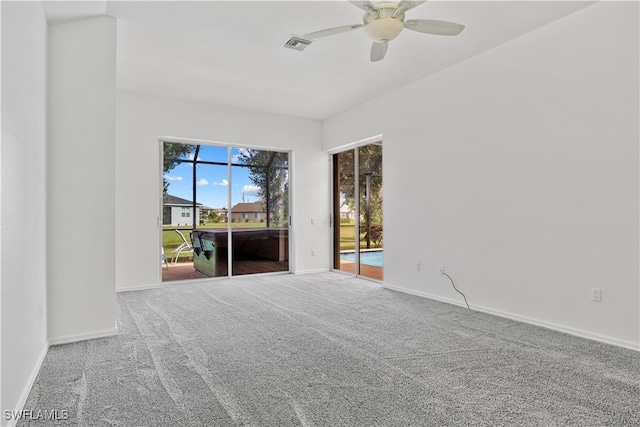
23,213
142,119
81,179
523,164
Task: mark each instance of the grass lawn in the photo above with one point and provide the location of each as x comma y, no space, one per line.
347,238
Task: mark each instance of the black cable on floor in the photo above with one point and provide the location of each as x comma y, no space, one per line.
454,287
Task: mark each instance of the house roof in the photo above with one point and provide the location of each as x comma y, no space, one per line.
170,200
258,206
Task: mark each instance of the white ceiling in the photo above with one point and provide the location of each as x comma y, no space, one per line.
229,52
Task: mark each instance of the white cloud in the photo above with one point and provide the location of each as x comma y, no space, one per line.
222,183
203,181
173,178
242,151
250,189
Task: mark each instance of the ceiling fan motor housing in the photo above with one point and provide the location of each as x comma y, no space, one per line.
381,25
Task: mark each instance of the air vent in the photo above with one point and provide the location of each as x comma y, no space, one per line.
296,43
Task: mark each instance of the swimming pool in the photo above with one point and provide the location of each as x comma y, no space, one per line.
375,258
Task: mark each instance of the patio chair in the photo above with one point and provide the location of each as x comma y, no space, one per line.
185,246
163,257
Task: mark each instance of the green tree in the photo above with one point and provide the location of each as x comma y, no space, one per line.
269,171
370,182
174,153
215,217
370,197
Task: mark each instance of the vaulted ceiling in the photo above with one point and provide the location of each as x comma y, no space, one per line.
230,53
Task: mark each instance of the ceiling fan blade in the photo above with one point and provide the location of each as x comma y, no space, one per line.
378,51
406,5
366,5
332,31
430,26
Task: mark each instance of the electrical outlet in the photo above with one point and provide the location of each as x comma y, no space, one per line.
442,270
313,221
596,294
313,252
417,266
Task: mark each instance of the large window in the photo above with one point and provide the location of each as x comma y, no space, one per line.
240,197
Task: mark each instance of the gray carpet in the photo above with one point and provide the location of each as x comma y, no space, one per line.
329,350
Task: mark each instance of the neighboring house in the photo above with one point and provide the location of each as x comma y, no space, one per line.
346,212
206,210
177,211
249,212
224,213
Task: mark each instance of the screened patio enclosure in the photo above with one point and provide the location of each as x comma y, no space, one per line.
237,221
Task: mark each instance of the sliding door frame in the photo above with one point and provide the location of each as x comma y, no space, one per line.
335,219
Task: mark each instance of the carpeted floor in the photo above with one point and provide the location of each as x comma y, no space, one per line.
329,350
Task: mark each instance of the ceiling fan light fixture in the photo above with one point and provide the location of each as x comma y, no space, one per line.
384,29
383,21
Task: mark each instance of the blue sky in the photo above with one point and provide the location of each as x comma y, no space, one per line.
212,180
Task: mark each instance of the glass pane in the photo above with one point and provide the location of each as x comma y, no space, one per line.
212,154
260,211
344,205
178,214
197,220
209,240
370,189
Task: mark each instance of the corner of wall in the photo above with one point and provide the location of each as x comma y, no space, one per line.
23,199
30,381
81,164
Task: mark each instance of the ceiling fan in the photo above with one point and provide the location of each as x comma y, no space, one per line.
384,21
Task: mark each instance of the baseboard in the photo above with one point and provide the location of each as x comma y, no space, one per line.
562,328
156,286
138,288
524,319
319,270
82,337
29,385
426,295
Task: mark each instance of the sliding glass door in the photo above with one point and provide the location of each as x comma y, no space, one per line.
344,208
225,211
370,209
260,212
357,211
